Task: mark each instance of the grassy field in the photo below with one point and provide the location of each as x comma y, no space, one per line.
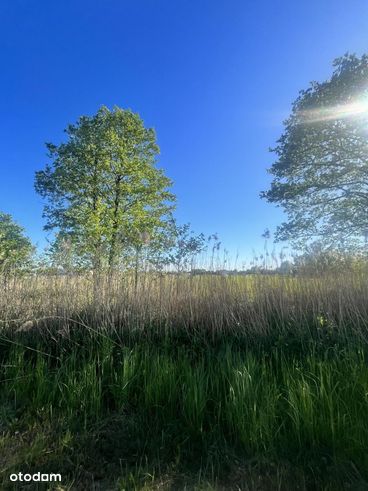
250,383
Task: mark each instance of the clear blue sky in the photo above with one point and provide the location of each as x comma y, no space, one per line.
214,77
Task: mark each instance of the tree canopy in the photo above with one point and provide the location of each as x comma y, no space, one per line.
15,248
320,177
103,190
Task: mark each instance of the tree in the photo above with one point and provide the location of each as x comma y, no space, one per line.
149,250
15,248
319,259
186,247
321,172
63,255
102,187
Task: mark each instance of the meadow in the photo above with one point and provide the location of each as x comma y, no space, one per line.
185,382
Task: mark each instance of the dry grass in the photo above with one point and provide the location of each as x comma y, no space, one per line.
243,306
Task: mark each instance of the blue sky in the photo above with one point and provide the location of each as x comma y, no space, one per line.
215,78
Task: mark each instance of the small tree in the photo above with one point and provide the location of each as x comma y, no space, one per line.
186,247
16,249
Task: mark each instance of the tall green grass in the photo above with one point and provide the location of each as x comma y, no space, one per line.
190,408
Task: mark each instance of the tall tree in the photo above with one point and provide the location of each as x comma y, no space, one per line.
15,248
103,187
321,172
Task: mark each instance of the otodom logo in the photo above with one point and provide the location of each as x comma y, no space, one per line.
36,477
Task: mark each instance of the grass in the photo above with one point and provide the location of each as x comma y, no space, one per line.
222,383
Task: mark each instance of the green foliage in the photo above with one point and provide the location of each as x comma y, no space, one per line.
321,172
102,188
171,245
16,249
63,255
318,259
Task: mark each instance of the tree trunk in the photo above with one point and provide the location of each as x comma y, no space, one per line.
115,224
136,268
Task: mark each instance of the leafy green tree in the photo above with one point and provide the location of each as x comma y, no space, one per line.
16,249
321,171
103,187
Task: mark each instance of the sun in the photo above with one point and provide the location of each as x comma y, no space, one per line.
355,109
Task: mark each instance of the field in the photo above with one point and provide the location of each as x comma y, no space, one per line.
185,382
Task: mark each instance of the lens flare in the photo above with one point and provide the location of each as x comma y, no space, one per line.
358,108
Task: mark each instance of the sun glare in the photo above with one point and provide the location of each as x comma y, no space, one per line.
354,109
